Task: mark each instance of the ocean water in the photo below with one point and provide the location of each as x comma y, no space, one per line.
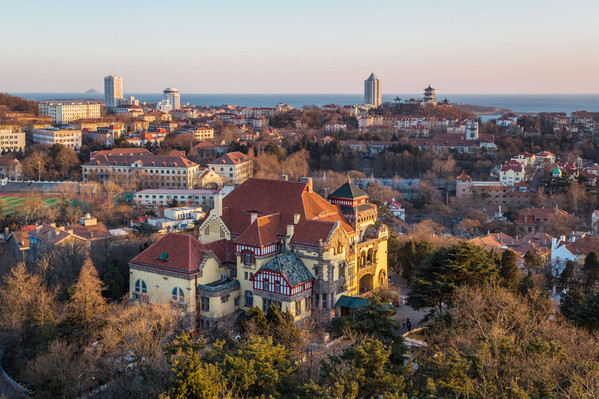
516,102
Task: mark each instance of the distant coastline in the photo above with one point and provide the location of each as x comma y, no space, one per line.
526,103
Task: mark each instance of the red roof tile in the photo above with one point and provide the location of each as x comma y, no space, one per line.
181,252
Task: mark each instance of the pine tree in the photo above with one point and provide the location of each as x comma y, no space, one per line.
447,268
508,271
87,306
591,269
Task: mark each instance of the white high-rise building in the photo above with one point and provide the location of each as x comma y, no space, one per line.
172,96
113,90
372,91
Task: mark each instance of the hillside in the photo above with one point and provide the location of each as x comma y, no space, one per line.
10,103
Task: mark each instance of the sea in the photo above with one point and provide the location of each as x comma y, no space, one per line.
525,103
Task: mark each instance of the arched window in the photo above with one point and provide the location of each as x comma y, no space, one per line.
178,298
141,290
249,298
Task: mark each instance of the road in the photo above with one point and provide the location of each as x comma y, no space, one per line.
398,284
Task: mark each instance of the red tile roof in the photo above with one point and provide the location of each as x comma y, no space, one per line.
121,151
232,158
146,160
181,252
280,200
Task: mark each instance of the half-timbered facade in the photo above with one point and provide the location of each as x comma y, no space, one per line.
285,246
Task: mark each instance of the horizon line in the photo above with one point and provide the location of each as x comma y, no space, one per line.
296,93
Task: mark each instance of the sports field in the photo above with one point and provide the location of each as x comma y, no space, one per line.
9,203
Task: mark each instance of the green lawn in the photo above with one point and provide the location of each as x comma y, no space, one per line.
8,204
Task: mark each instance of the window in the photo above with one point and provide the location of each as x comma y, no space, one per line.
277,286
178,295
265,285
249,298
316,300
307,304
324,301
247,257
298,307
141,290
205,304
236,301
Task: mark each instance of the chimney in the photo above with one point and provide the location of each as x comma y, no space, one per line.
308,180
253,216
290,232
284,177
218,205
296,218
562,238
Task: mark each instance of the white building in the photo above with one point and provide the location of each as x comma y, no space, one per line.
173,97
471,130
234,167
573,249
50,136
177,219
11,141
511,172
63,112
372,91
113,91
165,196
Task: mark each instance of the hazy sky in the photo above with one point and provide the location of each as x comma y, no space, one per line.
283,46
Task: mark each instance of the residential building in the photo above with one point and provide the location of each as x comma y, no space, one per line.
200,133
10,169
113,91
511,172
372,91
268,242
18,242
177,219
172,96
234,167
47,236
153,171
11,141
67,111
573,249
525,158
531,220
69,138
165,196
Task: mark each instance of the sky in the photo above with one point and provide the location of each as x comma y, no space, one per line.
282,46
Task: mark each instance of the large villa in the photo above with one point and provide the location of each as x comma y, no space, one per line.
268,242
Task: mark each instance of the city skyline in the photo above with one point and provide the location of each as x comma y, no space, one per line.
512,47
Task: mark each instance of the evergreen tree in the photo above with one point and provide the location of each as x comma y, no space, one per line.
116,284
375,319
591,269
527,283
508,271
411,256
87,305
532,261
447,268
567,273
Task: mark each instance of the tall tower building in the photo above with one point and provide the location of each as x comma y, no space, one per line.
372,91
172,96
429,95
113,90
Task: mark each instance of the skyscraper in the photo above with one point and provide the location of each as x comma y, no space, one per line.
113,90
172,96
372,91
